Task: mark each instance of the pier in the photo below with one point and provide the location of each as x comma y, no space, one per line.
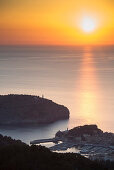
54,140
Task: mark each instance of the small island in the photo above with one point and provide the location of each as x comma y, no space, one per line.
29,109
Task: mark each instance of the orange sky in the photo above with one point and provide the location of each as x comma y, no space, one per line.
55,22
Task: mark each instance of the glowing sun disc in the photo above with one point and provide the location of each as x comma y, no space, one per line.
88,24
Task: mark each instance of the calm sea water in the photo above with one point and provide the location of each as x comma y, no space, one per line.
81,78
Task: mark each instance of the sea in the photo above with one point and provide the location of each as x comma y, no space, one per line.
78,77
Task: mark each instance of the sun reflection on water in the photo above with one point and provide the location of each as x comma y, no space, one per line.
88,87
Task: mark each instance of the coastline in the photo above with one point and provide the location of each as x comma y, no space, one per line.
94,146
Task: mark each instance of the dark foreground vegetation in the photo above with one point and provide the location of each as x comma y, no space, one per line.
15,155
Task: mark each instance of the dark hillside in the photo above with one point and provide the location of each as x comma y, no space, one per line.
18,109
19,156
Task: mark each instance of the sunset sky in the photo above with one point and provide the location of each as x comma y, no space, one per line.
57,22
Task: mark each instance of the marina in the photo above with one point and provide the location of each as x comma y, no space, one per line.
87,140
92,151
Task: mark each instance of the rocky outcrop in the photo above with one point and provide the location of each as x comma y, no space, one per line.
18,109
86,134
91,130
80,131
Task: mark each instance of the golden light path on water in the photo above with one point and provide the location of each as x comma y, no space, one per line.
88,88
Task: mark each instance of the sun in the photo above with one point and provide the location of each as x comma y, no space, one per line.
88,24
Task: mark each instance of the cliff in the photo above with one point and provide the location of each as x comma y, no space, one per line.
18,109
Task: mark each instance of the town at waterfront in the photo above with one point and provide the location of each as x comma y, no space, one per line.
86,140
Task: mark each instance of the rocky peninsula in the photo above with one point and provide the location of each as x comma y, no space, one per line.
26,109
87,140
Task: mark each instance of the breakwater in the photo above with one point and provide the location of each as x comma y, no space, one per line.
54,140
